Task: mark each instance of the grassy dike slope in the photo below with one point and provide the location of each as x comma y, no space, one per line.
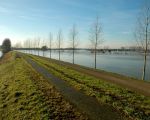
24,94
132,104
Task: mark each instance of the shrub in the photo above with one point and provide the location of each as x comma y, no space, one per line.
6,46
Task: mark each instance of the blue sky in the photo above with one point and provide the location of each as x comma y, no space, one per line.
22,19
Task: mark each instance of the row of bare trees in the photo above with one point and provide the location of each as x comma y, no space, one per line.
142,34
95,39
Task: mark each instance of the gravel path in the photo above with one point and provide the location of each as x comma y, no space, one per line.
86,104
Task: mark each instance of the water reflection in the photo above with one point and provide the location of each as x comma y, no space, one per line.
125,64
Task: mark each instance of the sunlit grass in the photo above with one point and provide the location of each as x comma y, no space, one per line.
24,94
130,103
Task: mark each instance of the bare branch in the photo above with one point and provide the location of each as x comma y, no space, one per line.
60,41
95,36
142,34
73,39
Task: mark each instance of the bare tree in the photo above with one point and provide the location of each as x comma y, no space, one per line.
18,45
60,40
73,39
43,47
96,37
25,46
38,44
35,45
31,46
142,33
50,43
28,45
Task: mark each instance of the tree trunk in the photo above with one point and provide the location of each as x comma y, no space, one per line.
59,54
73,55
50,52
95,57
144,67
38,51
145,53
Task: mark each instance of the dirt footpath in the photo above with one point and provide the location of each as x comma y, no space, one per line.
139,86
89,105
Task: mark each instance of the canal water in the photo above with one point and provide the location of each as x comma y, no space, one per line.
129,64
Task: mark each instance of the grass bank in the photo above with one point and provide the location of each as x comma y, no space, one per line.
25,94
132,104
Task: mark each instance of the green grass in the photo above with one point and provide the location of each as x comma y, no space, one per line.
130,103
25,94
